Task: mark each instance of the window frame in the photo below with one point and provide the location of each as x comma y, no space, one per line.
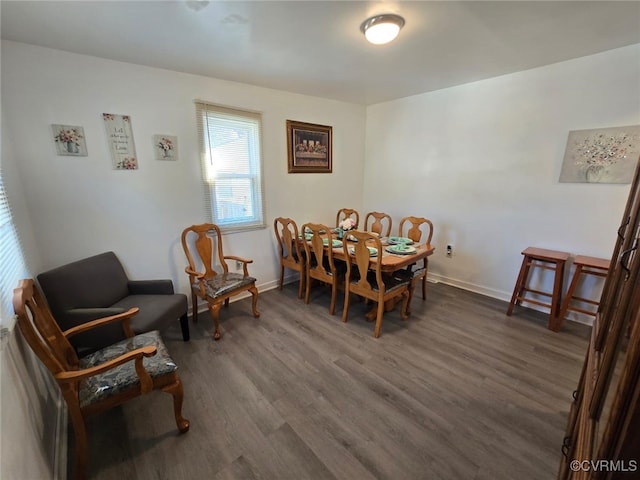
252,121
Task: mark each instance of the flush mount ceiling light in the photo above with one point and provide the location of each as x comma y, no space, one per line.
382,29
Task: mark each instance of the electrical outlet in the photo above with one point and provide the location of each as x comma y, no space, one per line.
238,265
449,250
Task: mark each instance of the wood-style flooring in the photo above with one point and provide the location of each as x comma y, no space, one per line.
457,391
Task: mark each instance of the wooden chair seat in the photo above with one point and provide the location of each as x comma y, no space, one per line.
118,380
224,283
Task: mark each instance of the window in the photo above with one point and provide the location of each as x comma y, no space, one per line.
13,267
232,166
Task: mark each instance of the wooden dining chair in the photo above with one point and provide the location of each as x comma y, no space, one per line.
418,229
103,379
368,282
214,287
380,223
347,213
290,250
321,265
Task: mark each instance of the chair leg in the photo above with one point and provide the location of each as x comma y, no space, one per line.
411,287
281,277
308,289
405,312
378,326
194,307
226,303
175,389
80,432
254,301
345,309
215,314
334,294
424,287
301,284
184,325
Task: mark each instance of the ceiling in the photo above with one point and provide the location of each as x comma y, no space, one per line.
316,47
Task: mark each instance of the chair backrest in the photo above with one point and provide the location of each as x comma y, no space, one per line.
380,223
287,236
201,243
418,228
359,268
346,213
320,264
40,329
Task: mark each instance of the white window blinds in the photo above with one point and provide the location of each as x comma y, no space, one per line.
11,260
230,142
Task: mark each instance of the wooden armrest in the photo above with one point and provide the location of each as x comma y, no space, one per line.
121,317
198,275
137,355
238,259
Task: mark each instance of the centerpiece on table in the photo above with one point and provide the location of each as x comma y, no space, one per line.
345,225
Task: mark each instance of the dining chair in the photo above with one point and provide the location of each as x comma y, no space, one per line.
103,379
347,213
417,229
290,250
368,281
214,287
320,262
380,223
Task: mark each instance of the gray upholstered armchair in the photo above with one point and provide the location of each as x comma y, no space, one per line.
97,287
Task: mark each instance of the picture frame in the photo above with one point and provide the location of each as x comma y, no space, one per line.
69,140
166,147
601,155
309,147
121,144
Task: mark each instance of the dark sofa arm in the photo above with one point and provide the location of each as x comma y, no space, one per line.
150,287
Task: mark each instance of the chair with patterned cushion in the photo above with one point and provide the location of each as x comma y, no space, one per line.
344,213
104,379
367,280
290,251
214,287
418,228
379,223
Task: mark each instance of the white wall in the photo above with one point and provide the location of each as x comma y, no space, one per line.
80,206
482,161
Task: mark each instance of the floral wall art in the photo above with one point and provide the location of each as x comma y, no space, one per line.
69,140
166,147
603,155
120,136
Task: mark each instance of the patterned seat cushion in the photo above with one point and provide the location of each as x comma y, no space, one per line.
123,377
224,283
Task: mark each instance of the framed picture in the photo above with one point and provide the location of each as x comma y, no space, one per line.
309,147
120,135
166,147
601,155
69,140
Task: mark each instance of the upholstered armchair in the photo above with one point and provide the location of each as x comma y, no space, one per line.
97,287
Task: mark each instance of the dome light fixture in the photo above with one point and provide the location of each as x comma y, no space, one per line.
382,29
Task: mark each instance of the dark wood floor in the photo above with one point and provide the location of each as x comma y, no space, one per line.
458,391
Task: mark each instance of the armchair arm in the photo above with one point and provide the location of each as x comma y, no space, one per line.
199,276
120,317
245,262
151,287
146,384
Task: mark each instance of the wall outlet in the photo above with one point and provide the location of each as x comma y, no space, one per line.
449,250
238,265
